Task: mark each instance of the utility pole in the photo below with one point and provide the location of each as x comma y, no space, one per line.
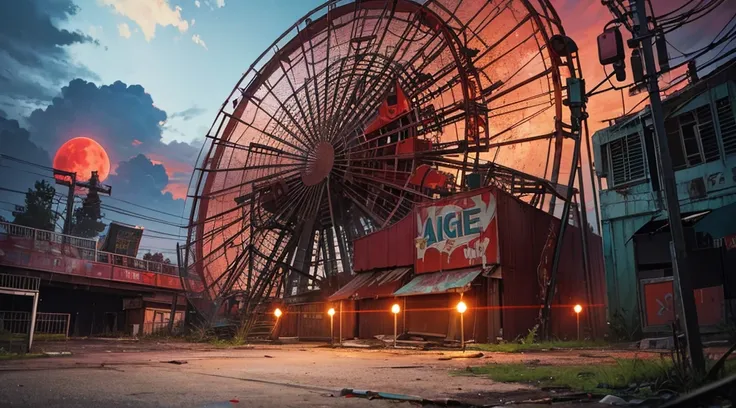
69,179
681,269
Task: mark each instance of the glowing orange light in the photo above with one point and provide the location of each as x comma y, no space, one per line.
395,309
577,308
277,313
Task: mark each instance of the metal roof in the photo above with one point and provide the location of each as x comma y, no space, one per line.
372,285
440,282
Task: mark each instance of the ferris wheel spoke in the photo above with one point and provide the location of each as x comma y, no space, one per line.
268,134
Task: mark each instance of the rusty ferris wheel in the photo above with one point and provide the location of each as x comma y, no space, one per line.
361,110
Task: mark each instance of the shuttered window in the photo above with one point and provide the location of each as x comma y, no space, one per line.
708,138
626,160
727,124
690,139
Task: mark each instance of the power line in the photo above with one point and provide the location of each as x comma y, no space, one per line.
140,216
147,208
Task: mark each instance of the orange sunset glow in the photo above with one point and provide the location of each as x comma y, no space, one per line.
83,155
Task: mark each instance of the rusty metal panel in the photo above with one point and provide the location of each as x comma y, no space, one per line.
314,323
349,290
383,284
375,317
658,302
390,247
523,233
429,313
457,232
372,285
440,282
349,319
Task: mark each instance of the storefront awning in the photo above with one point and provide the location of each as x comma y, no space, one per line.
440,282
372,285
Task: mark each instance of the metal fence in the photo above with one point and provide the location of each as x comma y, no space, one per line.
19,282
155,328
19,323
84,248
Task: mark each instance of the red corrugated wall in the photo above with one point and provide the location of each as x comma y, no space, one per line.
523,231
387,248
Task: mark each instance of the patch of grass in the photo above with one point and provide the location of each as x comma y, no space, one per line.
21,337
19,356
527,346
49,337
584,378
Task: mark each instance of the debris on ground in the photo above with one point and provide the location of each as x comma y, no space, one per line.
613,400
177,362
57,353
267,356
588,355
473,355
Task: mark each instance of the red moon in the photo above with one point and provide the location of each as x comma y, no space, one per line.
83,155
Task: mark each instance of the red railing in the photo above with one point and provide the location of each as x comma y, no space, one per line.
53,252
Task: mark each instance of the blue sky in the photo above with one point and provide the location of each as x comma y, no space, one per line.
176,71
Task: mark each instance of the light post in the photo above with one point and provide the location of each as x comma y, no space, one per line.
331,312
277,313
395,309
461,308
577,310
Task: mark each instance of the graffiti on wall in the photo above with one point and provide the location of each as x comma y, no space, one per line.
457,233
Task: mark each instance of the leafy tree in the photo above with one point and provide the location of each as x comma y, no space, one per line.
156,257
87,217
38,212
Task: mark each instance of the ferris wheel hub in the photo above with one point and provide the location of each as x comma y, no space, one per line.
319,163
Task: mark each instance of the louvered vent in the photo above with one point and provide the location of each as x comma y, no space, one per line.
707,131
728,125
627,159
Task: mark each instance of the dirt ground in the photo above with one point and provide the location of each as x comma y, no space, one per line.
140,373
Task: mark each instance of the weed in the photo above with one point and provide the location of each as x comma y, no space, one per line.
602,378
526,346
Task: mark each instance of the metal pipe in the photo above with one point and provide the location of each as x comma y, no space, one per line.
33,321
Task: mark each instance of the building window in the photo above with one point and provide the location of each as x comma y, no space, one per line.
728,125
692,138
624,160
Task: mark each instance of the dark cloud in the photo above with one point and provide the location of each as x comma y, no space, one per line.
122,118
187,114
15,142
33,59
140,177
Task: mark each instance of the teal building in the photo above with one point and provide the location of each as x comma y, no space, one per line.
701,130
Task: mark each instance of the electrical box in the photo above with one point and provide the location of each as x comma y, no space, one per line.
610,47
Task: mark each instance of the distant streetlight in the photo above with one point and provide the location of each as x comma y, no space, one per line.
331,312
395,309
461,308
277,313
577,310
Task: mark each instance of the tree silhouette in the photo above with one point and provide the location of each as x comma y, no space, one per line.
38,212
87,217
156,257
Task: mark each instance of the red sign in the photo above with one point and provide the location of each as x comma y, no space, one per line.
127,275
730,242
660,306
168,281
457,233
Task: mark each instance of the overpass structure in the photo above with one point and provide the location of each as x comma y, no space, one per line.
104,293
